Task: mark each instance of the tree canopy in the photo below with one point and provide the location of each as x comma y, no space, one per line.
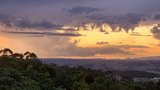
26,72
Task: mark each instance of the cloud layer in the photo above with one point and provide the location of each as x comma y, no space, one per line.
25,22
73,50
107,27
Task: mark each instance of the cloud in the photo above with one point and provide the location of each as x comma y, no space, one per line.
156,32
26,26
7,19
44,24
138,34
43,33
73,50
25,22
102,43
82,10
117,23
98,11
129,46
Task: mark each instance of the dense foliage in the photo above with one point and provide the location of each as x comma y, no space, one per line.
26,72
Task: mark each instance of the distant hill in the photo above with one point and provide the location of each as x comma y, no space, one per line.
149,58
148,64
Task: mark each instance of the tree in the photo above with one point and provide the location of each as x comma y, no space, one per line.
89,79
11,79
17,56
158,85
29,55
6,52
33,56
80,85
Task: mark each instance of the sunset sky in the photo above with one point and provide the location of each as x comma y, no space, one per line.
81,28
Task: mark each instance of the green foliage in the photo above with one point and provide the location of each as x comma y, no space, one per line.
11,79
26,72
80,85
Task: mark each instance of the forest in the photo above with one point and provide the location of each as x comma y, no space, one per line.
20,71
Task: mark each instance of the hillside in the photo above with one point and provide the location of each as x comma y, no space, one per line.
147,65
26,72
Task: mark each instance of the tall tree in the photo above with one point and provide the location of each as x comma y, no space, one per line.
29,55
6,52
17,55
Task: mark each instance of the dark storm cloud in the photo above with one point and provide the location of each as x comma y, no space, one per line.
44,24
117,23
24,22
156,32
7,19
73,50
43,33
82,10
115,12
110,6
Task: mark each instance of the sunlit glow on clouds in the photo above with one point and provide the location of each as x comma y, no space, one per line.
76,30
140,41
132,44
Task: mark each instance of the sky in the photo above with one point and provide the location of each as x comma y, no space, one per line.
113,29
